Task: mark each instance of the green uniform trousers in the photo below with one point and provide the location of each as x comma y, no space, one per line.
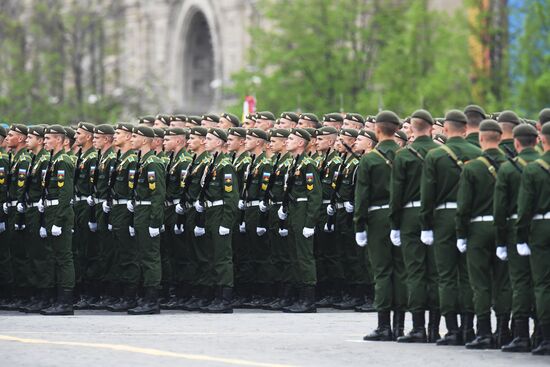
18,251
191,271
148,247
280,249
128,252
6,271
540,269
168,242
108,248
328,254
39,251
220,262
85,246
353,260
61,265
259,249
302,258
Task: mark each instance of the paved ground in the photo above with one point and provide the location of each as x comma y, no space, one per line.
246,338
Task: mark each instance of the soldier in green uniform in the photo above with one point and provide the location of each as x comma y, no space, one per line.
334,119
533,233
372,196
58,221
475,237
474,115
405,231
288,120
148,209
309,120
6,275
505,216
508,120
353,121
265,120
121,220
302,213
438,191
366,141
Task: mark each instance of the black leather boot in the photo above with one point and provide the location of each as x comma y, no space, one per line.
241,294
305,303
543,349
325,292
45,300
454,334
521,343
286,298
63,305
203,299
127,301
30,296
195,294
484,338
6,297
433,326
503,335
19,298
149,304
368,302
383,332
418,332
398,324
355,298
467,326
224,305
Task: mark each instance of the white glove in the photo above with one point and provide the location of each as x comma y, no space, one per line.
223,231
162,229
283,232
2,226
18,227
110,227
42,232
92,226
154,232
308,232
462,245
40,206
130,206
90,200
56,231
281,213
20,208
349,207
106,208
523,249
241,205
180,209
198,207
361,238
5,208
427,237
178,229
263,207
395,237
330,210
260,231
502,253
327,229
242,227
199,231
132,231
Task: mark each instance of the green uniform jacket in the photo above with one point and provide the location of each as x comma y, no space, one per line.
346,192
223,186
507,146
373,181
201,162
406,174
151,186
88,164
308,185
240,164
277,191
475,189
19,170
261,171
473,138
106,167
176,175
534,195
506,192
37,173
4,169
126,171
328,176
61,187
440,175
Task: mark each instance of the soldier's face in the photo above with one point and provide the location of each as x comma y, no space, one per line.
323,142
159,124
286,124
180,124
347,140
250,143
292,142
249,124
14,139
53,141
234,143
263,124
362,143
208,123
33,142
277,145
224,123
195,142
136,141
82,136
212,142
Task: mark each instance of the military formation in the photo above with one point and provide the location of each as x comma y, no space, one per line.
443,218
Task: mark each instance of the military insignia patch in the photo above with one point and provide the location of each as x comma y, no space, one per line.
334,179
21,177
92,172
60,178
2,175
228,182
131,176
151,177
309,181
183,173
265,180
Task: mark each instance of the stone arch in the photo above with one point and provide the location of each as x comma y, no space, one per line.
195,58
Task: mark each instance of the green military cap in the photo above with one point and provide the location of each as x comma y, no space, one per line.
388,116
439,121
333,117
250,116
3,131
55,129
310,117
490,125
69,132
475,108
265,115
290,116
86,126
546,129
369,134
159,133
525,130
401,135
126,126
211,117
311,131
440,138
456,116
164,118
174,131
199,131
218,133
232,118
146,120
530,122
509,116
181,118
423,115
407,119
494,116
326,130
349,132
280,133
257,133
355,117
104,129
237,131
36,131
544,116
370,119
302,133
20,128
144,131
195,120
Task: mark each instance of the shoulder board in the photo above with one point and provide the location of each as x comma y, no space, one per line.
224,162
153,159
308,160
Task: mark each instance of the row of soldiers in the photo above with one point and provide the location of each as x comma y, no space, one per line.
284,215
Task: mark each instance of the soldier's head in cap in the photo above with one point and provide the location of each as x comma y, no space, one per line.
249,121
439,139
325,138
421,123
70,141
215,140
147,121
236,137
256,140
525,136
84,135
288,120
455,124
161,121
545,136
401,138
544,117
197,138
16,137
474,115
490,134
210,120
346,140
334,119
265,120
507,121
312,145
158,139
297,141
35,139
228,120
387,123
103,136
366,141
369,122
3,134
142,138
175,139
178,121
123,135
406,126
353,121
193,121
309,120
277,140
54,138
438,125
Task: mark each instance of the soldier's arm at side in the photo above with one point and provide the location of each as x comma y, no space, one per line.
428,184
526,204
65,192
361,196
230,197
464,201
500,205
157,194
397,186
314,198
